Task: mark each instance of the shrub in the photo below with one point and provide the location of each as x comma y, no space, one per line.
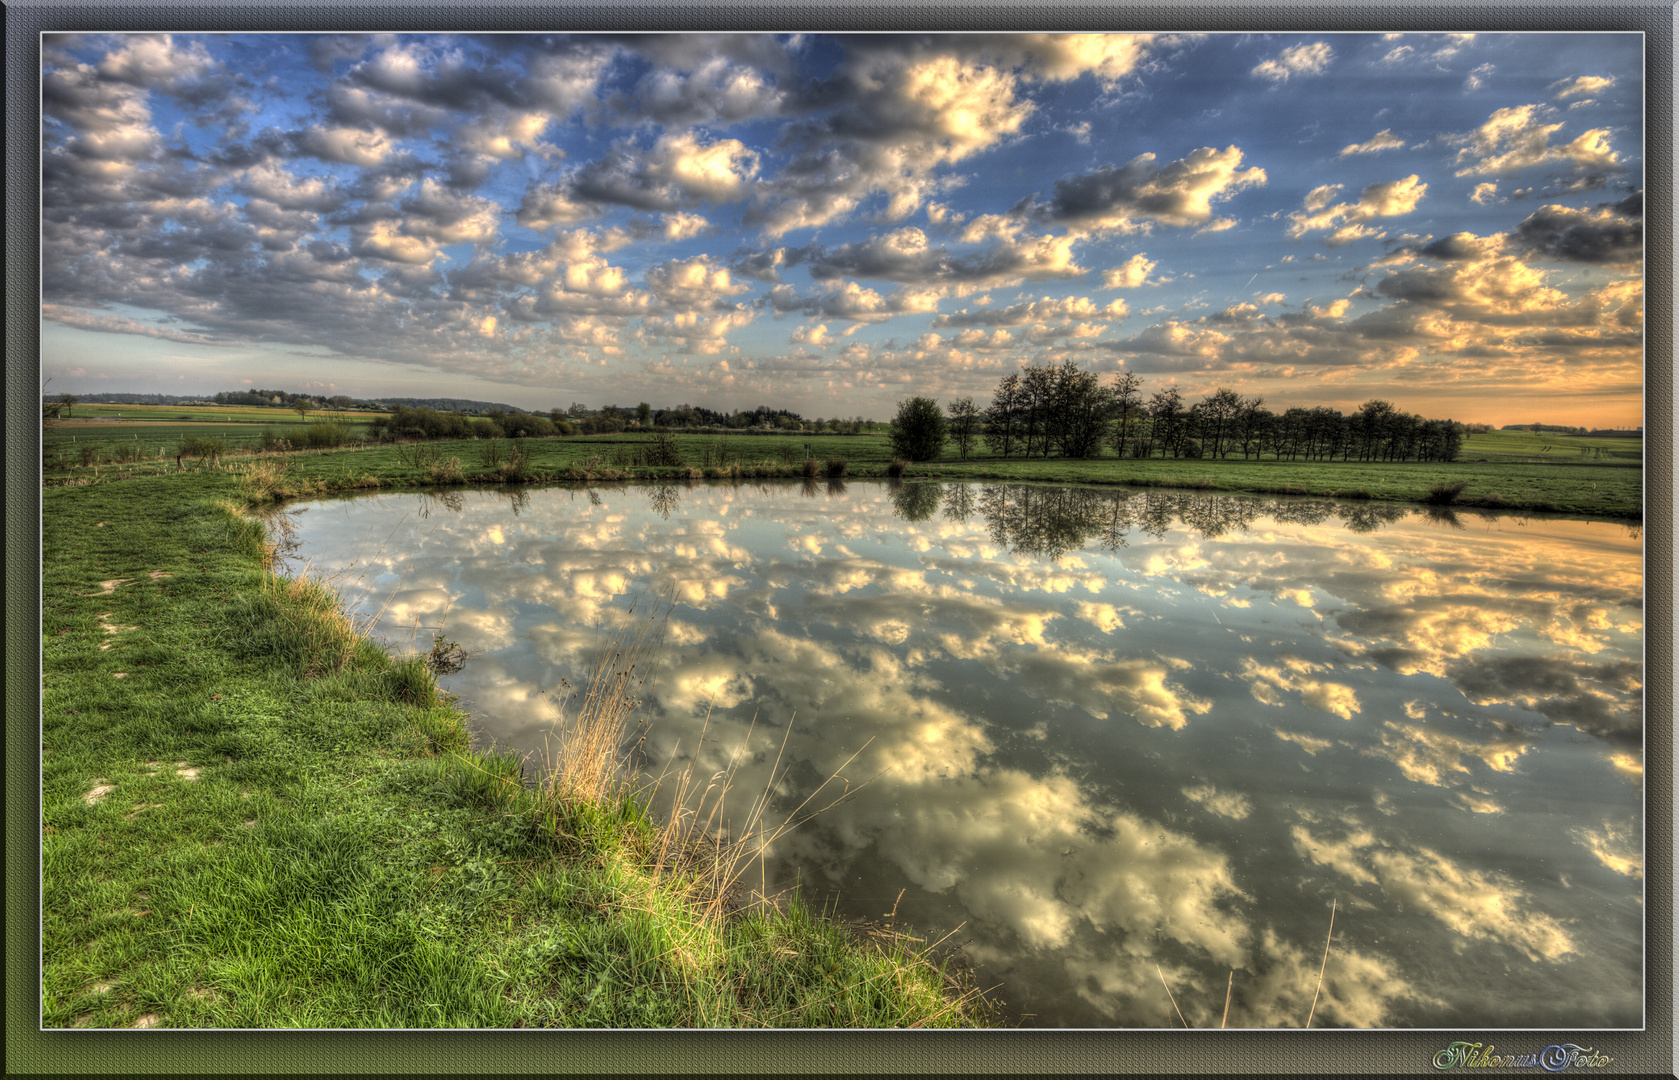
836,468
493,452
92,453
323,433
517,465
486,429
200,446
663,451
897,467
812,468
527,426
1444,494
446,472
919,429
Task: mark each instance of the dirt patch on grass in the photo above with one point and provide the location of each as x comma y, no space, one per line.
108,587
99,791
111,628
148,1020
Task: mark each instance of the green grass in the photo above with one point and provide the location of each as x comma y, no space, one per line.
1552,448
255,817
1502,471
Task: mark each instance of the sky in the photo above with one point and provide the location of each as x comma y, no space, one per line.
829,224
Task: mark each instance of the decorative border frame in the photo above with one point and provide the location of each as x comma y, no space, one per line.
1651,1051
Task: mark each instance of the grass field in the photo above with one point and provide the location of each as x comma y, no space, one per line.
1509,470
254,817
1551,448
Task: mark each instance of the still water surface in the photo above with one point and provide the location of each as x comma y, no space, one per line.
1125,741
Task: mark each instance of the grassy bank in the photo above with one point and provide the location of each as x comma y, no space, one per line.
253,816
1509,471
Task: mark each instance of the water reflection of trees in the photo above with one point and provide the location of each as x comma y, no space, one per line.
915,502
664,499
1053,521
447,500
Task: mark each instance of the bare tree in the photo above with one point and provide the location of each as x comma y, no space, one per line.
1127,406
963,420
69,402
1163,410
1217,411
1002,418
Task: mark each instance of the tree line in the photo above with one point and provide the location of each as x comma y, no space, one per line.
1066,412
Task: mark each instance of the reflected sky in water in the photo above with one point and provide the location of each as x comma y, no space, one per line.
1121,738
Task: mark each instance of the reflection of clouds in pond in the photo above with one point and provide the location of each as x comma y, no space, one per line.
980,667
1293,675
1616,845
1486,905
1477,802
1429,755
1230,804
1600,699
1098,681
1308,743
1357,990
1104,617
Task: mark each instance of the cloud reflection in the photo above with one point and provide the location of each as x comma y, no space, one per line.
975,650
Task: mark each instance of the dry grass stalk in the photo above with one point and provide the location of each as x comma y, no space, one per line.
1169,996
1325,963
590,762
703,826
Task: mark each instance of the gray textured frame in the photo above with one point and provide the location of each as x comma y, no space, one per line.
1652,1051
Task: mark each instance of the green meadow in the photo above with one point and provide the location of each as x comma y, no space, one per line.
1517,471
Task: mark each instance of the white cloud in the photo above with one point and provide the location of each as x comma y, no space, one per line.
1382,140
1513,139
1312,59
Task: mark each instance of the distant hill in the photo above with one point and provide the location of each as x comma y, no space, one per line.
448,404
127,399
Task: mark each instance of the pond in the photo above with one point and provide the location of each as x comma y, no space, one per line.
1146,756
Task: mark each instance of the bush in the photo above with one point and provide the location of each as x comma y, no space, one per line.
663,452
200,447
836,467
897,467
919,429
1445,494
322,433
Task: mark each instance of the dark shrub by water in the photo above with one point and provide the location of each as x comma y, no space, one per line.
1445,494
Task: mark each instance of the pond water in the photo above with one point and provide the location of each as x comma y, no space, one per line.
1128,743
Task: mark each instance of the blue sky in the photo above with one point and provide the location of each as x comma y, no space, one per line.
830,224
